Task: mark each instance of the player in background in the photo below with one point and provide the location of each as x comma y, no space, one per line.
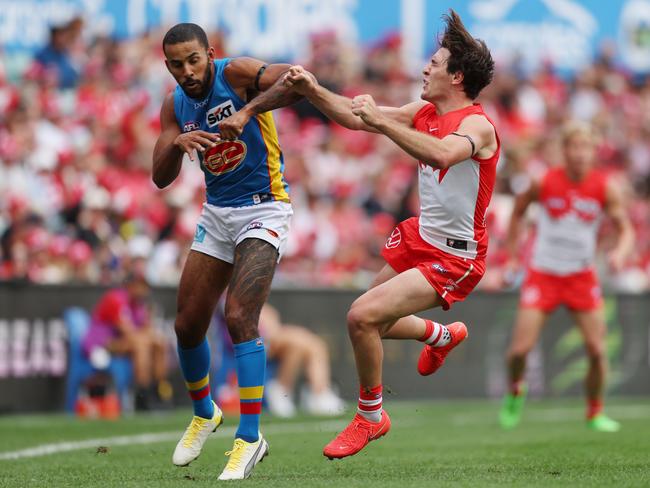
572,201
219,115
438,258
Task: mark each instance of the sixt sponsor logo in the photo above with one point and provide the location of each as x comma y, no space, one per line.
220,112
190,125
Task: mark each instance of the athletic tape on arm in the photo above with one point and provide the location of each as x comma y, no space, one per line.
259,76
471,141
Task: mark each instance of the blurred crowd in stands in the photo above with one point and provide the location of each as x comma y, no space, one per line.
79,121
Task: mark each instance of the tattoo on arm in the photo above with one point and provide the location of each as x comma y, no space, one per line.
276,96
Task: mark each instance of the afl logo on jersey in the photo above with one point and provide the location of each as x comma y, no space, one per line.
190,125
224,157
220,112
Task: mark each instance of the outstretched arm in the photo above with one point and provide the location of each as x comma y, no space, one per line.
339,108
475,136
615,208
263,87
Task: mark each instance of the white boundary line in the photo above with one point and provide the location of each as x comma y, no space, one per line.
153,438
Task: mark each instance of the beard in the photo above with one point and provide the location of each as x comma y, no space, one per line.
199,89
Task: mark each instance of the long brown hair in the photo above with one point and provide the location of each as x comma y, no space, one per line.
468,55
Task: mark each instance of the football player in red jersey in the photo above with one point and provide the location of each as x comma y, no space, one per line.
435,259
572,200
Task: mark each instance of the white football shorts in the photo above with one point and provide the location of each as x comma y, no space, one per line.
220,229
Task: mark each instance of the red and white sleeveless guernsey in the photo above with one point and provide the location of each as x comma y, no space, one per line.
454,201
569,217
448,241
561,269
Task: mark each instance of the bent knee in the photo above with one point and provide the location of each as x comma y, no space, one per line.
235,316
242,325
182,328
595,351
355,318
518,352
188,333
362,316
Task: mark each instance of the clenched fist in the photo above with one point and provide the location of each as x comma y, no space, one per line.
300,80
364,106
232,127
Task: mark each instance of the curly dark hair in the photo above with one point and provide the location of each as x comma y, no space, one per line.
468,55
183,33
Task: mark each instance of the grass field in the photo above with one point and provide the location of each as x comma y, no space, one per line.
431,444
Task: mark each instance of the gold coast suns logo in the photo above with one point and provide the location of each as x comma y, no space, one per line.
224,157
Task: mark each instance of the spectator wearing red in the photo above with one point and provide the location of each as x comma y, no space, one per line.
122,325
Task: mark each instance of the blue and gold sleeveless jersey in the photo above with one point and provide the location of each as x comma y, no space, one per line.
247,171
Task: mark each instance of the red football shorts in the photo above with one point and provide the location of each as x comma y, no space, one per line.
451,276
545,291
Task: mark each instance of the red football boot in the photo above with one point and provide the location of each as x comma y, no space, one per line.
431,358
356,436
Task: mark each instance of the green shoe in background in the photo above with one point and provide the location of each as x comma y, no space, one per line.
602,423
511,409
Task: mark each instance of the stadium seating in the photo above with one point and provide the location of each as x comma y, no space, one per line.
77,321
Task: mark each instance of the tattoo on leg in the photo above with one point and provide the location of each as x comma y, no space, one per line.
250,285
254,267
